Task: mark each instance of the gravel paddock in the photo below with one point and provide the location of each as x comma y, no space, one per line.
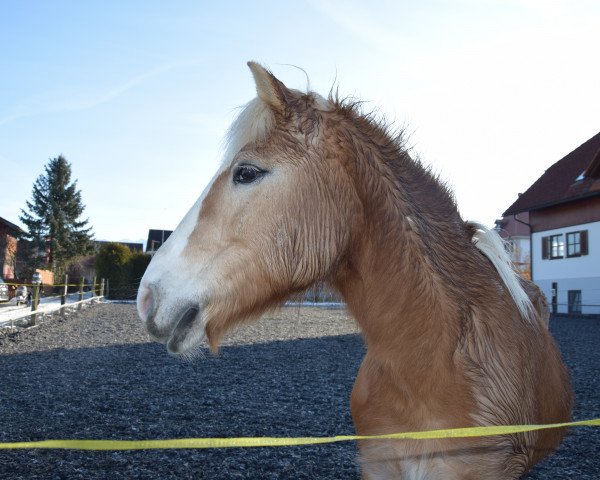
95,374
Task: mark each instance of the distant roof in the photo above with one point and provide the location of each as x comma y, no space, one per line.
509,227
156,238
11,225
574,177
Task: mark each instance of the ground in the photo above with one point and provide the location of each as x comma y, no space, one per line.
96,374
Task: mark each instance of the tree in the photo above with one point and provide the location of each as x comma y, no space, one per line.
137,267
53,219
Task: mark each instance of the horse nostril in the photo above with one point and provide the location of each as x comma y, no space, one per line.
145,302
182,329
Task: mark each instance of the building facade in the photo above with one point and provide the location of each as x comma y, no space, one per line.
9,232
563,206
567,269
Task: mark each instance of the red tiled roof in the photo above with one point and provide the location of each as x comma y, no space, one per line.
559,183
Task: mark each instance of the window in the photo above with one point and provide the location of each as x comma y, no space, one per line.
573,244
574,301
577,243
553,246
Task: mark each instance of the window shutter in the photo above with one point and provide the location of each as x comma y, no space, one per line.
545,253
583,238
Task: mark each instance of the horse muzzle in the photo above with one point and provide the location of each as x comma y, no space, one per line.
172,330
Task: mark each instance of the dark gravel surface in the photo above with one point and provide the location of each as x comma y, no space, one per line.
95,375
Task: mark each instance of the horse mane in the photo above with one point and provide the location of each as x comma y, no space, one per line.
393,145
493,247
256,121
392,142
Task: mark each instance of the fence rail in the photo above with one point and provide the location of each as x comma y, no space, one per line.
29,319
11,316
33,298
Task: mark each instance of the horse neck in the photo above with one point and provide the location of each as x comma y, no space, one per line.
405,308
400,279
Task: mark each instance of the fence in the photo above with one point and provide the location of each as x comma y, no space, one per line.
81,293
121,291
33,298
319,293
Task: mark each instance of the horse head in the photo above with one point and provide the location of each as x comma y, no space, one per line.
268,225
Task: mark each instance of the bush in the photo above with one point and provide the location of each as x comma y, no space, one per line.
122,268
138,262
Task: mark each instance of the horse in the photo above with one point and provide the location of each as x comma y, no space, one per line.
313,189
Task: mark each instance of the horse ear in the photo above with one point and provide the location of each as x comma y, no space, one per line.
270,90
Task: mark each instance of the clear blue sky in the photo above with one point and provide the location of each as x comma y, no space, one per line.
137,95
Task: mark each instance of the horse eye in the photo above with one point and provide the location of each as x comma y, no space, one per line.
247,174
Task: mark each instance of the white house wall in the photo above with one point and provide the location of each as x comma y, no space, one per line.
577,273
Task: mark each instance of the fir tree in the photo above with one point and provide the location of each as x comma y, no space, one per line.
53,218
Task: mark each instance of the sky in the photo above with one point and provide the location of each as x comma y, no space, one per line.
138,95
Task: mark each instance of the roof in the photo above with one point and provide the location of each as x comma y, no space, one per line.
18,230
594,168
573,177
156,238
510,227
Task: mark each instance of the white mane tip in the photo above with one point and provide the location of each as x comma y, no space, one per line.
492,246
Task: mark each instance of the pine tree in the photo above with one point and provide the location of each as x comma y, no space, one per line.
54,228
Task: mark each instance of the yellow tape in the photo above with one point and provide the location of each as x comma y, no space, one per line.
50,285
245,442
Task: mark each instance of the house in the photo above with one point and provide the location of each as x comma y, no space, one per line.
14,251
156,238
515,232
564,223
9,233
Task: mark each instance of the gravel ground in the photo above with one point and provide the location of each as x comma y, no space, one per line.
95,374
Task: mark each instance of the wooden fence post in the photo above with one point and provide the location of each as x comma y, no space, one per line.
63,297
102,287
36,297
94,287
81,289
